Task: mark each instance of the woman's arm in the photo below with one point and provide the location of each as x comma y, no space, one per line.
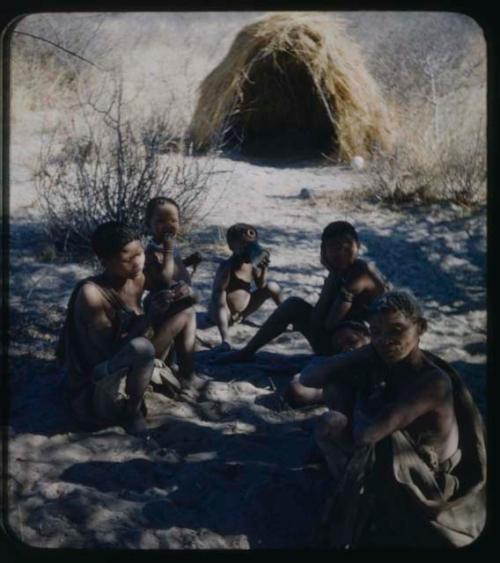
344,300
324,370
320,310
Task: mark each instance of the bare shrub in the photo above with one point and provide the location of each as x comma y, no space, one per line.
452,171
462,176
110,165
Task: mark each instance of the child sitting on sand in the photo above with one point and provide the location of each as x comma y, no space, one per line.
167,273
232,296
350,287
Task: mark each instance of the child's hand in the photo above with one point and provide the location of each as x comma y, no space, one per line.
194,259
168,242
265,262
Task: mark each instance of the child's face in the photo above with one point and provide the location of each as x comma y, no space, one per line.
347,339
165,220
394,335
339,253
129,263
238,246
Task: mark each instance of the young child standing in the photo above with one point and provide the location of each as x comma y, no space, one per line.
232,296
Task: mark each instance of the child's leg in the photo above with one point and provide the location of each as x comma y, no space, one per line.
270,291
165,334
221,316
184,347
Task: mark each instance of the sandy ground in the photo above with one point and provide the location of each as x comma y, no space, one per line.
237,469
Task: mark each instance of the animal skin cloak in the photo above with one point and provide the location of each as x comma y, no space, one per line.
394,494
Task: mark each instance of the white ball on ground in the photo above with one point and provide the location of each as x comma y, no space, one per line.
357,163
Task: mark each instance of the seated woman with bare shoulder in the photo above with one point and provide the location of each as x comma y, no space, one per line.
105,342
413,410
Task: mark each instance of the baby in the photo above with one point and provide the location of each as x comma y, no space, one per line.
232,296
164,268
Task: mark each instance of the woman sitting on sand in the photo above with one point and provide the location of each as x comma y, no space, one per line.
350,287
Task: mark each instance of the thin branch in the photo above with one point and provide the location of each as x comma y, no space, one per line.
62,49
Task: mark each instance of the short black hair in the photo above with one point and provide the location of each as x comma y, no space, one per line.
356,326
400,300
241,231
338,229
111,237
156,202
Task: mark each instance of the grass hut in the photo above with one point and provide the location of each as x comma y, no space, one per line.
292,84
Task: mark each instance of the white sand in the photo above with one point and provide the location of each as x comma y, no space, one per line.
230,471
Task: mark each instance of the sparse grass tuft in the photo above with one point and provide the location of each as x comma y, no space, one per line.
452,171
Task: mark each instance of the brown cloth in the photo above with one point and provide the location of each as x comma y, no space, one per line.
80,386
396,494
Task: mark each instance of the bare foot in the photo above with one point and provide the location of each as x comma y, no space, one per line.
136,425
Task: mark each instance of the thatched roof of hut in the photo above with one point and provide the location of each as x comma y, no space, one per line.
292,81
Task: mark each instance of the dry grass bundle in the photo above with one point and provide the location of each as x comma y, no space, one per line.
292,81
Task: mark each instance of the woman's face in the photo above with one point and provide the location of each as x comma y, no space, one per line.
394,336
129,263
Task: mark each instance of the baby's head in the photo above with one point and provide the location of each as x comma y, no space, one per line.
349,335
339,245
239,235
162,218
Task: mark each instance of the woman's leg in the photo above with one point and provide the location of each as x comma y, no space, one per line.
291,311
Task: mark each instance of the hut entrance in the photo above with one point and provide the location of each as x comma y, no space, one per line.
281,114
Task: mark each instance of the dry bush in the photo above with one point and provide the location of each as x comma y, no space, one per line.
110,165
452,170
